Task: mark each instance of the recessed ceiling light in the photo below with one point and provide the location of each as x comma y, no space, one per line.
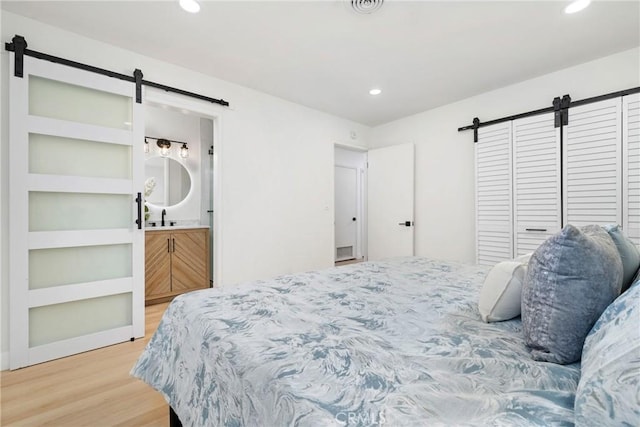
577,6
191,6
375,92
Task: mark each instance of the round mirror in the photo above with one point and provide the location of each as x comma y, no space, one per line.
167,181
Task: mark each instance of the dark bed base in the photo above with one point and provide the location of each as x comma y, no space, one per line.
174,421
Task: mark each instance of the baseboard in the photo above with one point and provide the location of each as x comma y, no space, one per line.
4,361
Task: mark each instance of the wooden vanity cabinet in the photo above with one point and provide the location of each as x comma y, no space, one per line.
176,261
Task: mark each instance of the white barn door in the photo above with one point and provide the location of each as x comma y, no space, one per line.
536,182
592,164
390,201
494,215
77,254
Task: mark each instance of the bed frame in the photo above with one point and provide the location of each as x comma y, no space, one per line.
174,421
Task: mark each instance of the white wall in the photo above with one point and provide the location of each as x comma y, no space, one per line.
444,208
276,164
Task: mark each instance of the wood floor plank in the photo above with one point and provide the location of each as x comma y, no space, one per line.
87,389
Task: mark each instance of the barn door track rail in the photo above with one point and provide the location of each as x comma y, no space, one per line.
18,45
560,108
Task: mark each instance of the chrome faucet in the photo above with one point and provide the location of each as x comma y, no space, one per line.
164,213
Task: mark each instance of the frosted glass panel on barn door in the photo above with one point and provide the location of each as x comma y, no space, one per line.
76,261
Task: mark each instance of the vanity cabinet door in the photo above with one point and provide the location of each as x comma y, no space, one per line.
177,261
190,260
157,264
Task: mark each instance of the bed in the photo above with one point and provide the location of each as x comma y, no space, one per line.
396,342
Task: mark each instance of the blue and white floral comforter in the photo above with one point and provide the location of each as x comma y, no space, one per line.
396,343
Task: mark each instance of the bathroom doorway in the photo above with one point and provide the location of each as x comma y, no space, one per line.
204,157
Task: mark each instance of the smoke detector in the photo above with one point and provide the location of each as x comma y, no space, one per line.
366,7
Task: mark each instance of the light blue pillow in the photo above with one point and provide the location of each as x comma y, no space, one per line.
608,393
628,253
571,279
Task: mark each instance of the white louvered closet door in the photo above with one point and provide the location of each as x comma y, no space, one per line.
631,166
494,242
592,167
536,181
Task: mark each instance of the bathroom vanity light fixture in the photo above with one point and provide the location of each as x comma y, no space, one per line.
164,146
184,151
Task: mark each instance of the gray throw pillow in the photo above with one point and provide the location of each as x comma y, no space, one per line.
571,279
628,253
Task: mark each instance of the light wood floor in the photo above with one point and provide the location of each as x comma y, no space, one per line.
88,389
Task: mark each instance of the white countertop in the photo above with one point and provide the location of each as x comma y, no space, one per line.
174,227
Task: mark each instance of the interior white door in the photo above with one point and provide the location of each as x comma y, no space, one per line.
390,201
346,211
77,254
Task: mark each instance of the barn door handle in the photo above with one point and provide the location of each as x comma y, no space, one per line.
406,223
139,202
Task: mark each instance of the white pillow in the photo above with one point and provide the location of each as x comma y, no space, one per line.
523,259
500,294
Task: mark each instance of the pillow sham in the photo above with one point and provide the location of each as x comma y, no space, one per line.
609,388
571,279
501,290
524,259
628,254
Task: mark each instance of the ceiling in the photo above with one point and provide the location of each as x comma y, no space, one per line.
321,54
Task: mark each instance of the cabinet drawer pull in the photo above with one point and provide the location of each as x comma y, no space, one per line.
168,246
174,245
535,229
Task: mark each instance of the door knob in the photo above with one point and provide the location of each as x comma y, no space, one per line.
353,219
406,223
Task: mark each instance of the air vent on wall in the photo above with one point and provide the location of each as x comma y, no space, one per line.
366,6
